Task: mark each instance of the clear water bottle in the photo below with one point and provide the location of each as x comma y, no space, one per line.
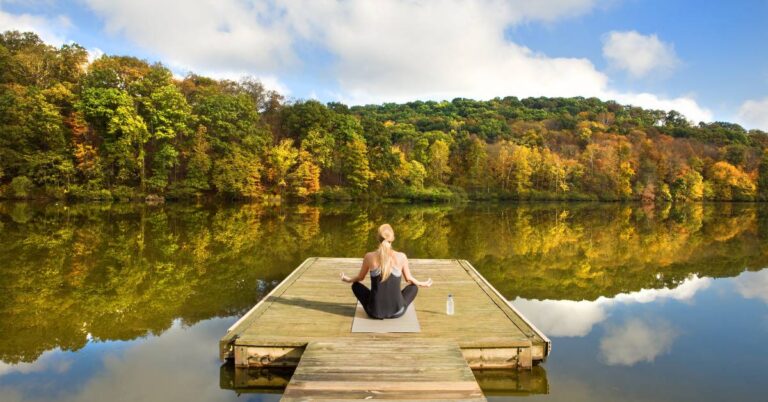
449,305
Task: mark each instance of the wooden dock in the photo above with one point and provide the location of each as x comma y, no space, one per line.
309,316
374,369
498,383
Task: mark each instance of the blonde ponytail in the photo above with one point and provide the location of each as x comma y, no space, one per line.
386,255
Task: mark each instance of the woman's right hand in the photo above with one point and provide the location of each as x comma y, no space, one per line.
345,278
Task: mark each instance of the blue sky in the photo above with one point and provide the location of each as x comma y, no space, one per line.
707,59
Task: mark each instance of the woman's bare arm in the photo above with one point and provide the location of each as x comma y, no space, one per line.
360,275
409,278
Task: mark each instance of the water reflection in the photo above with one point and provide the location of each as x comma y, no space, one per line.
177,366
105,297
254,380
637,340
565,318
753,285
492,382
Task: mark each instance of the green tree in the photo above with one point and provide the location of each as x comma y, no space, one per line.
199,163
168,117
762,178
416,174
354,164
116,72
127,135
321,145
438,168
21,186
238,174
383,160
112,114
476,164
32,136
305,116
124,124
26,60
231,119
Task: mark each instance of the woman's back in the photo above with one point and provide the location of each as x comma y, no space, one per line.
386,299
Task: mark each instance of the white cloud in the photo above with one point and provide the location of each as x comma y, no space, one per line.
638,54
570,318
637,341
393,51
227,35
754,114
50,30
547,10
403,50
226,39
753,285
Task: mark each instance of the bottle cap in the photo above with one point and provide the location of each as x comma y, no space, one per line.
450,295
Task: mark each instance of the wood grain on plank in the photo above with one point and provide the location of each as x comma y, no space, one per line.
394,370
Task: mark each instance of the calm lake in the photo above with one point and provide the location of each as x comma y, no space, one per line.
127,302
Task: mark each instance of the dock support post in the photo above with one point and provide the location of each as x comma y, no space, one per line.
241,356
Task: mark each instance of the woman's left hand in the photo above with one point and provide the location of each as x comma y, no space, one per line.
426,283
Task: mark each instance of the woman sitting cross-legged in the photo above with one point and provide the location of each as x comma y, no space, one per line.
386,266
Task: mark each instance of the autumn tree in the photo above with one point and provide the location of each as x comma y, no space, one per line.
688,186
238,174
437,166
354,164
731,183
475,158
304,181
122,127
280,159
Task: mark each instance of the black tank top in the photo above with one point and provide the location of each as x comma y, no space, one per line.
386,298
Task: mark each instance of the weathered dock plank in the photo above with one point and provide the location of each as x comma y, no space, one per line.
492,382
352,369
311,305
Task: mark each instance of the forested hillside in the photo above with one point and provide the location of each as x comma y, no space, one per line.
121,128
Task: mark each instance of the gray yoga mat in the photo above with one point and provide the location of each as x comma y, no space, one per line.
408,322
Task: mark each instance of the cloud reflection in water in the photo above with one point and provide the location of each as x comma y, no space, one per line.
569,318
753,285
180,365
637,340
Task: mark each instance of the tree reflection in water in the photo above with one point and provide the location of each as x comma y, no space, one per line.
74,273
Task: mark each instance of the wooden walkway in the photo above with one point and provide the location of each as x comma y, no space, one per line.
368,369
313,307
274,380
